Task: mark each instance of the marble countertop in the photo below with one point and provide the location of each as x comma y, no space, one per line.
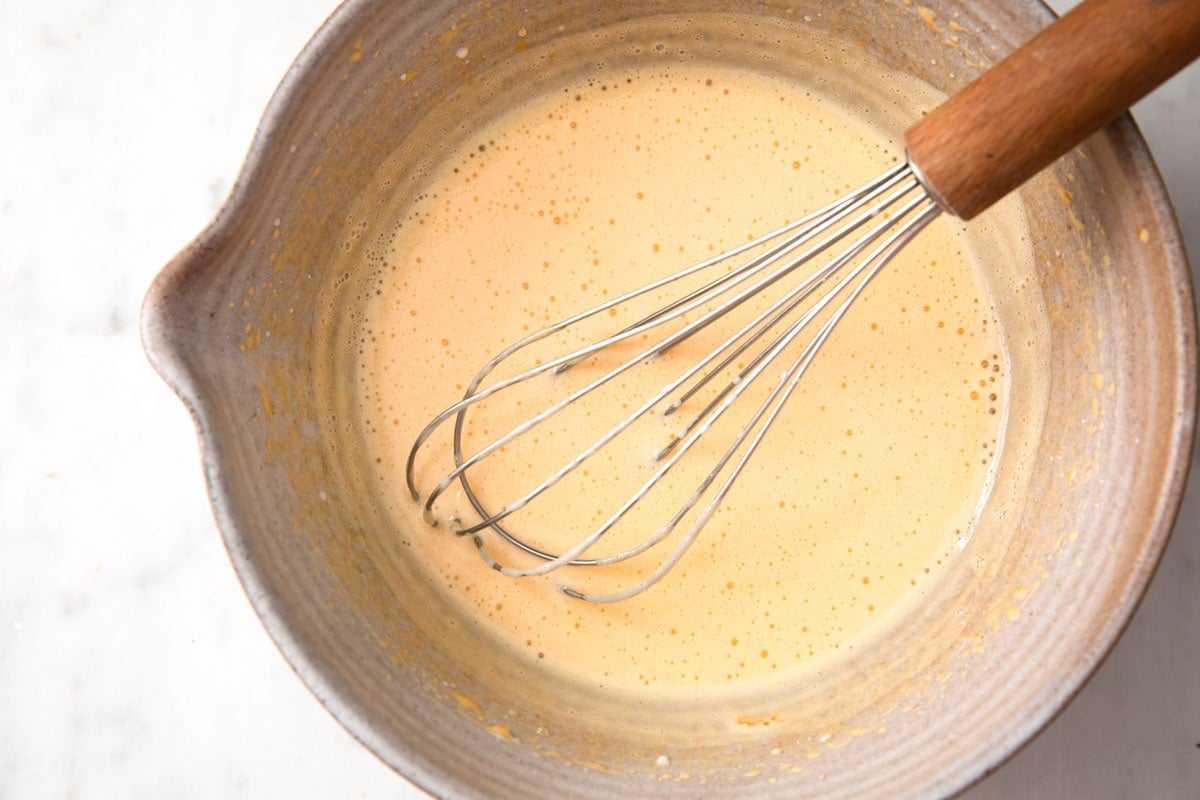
131,663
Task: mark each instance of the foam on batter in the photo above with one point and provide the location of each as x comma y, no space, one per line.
857,499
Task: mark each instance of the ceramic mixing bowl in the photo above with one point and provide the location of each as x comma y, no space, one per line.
251,324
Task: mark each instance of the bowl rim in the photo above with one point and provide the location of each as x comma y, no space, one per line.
160,324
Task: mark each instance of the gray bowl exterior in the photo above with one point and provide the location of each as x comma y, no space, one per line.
235,324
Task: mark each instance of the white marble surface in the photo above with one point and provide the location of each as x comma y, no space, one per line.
131,664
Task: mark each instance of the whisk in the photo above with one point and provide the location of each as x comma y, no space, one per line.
979,145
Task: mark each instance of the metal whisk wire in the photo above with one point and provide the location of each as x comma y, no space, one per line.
898,205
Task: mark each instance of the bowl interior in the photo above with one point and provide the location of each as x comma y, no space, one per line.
255,322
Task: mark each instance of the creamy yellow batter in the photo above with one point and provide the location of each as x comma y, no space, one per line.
860,495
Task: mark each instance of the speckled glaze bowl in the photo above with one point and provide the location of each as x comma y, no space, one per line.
248,324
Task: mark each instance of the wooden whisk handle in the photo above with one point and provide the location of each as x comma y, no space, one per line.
1051,94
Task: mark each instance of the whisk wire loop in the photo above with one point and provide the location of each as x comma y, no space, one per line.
902,207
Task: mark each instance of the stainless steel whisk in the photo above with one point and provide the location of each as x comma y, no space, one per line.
1015,119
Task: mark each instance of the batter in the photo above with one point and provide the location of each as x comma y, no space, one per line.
858,498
